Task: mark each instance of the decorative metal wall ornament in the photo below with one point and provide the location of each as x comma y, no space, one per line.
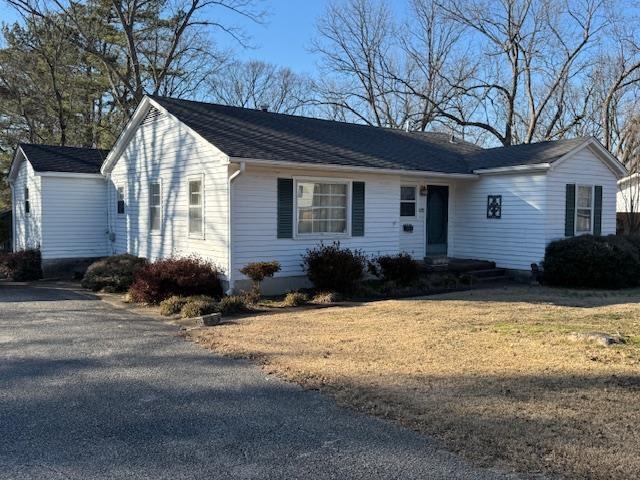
494,206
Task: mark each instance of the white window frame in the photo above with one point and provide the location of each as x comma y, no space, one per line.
124,196
195,178
591,208
316,235
159,230
415,201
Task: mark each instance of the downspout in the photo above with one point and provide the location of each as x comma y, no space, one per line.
13,216
110,229
230,276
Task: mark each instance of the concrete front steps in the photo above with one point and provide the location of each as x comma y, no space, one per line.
482,270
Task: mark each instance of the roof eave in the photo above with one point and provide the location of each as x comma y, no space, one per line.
616,167
11,177
318,166
536,167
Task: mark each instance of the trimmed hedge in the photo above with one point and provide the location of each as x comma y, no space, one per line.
22,266
593,261
176,276
112,274
331,267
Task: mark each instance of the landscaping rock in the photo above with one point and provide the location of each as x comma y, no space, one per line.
211,319
603,339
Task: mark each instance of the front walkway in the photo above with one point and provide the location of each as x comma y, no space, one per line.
88,391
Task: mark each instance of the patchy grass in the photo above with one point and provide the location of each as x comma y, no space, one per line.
490,372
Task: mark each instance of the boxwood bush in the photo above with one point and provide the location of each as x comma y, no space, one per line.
331,267
176,276
593,261
22,266
112,274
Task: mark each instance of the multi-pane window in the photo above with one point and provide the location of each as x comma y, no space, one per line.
407,201
155,207
195,207
27,204
322,207
120,200
584,209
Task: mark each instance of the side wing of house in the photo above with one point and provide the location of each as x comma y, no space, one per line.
512,238
74,217
574,201
167,194
27,208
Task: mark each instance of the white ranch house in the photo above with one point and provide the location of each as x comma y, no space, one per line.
238,185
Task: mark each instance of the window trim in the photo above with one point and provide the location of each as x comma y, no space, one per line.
159,230
195,178
415,201
591,209
124,202
316,235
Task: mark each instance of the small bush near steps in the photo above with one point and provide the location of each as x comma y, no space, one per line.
22,266
112,274
295,299
176,276
400,268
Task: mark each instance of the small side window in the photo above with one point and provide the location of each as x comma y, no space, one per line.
120,200
196,213
407,201
27,204
155,207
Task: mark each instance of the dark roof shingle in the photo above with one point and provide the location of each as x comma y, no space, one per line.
248,133
524,154
51,158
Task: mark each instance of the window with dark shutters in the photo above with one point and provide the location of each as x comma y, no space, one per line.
570,211
285,208
357,209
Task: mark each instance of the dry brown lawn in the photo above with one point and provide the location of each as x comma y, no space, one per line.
491,373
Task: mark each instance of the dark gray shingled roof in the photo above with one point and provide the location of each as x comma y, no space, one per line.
524,154
248,133
50,158
255,134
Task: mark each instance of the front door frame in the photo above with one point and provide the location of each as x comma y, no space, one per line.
448,243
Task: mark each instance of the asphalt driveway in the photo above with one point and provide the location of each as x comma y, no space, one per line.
89,391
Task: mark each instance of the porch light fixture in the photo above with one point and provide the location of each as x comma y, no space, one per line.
423,190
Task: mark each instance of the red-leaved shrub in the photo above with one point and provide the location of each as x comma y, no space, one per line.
21,266
176,276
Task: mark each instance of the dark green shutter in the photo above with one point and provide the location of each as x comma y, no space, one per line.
597,210
570,211
285,208
357,209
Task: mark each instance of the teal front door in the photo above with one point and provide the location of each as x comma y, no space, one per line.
437,219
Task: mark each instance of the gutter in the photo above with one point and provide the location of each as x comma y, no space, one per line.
332,166
230,276
515,169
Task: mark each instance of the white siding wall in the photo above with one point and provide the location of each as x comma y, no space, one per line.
164,150
74,217
582,168
254,213
28,231
514,241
